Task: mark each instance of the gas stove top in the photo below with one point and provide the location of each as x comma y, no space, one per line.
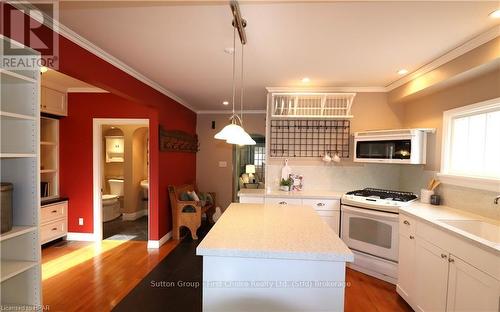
378,199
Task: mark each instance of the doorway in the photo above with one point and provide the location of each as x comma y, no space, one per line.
121,179
249,165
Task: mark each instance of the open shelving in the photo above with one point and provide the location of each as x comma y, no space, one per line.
49,157
20,272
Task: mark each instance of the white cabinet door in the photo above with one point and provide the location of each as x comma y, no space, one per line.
470,289
251,200
431,276
406,267
332,218
53,102
283,201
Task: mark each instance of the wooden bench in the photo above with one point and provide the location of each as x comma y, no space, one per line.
188,213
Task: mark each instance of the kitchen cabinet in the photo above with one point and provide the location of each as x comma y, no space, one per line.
53,102
469,289
406,257
432,277
327,208
53,221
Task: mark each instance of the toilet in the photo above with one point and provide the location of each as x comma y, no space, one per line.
110,202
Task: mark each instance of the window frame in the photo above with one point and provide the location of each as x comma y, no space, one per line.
477,182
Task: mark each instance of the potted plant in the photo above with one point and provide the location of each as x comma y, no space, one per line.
285,184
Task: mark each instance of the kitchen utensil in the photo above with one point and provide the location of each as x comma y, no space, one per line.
286,171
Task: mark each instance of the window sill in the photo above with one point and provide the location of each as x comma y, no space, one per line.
486,184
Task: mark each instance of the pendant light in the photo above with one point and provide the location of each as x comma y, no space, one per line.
234,132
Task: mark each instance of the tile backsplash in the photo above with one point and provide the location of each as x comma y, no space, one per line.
348,176
339,177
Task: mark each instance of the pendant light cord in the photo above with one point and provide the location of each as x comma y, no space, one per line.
242,87
234,71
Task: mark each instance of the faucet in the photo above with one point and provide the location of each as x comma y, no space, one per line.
496,200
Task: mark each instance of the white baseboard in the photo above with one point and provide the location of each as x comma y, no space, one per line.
155,244
134,215
85,237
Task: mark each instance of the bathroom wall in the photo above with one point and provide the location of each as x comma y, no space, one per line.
132,170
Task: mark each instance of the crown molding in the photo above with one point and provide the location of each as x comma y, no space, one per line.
447,57
229,112
65,31
326,89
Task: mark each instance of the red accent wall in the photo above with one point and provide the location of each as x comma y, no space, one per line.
130,98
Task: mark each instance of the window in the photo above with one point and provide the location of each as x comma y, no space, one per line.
471,141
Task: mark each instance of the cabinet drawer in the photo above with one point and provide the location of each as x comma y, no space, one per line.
407,225
283,201
322,204
53,212
251,200
52,230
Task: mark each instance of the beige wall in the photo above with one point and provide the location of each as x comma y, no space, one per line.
132,169
427,111
455,70
209,176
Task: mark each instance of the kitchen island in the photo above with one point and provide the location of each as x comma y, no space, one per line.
269,257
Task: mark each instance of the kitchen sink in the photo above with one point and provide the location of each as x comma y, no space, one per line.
484,230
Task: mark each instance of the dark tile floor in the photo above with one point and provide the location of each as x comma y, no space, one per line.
119,229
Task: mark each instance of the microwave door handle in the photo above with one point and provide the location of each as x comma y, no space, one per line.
369,212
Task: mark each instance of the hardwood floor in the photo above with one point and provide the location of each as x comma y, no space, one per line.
366,293
86,277
83,276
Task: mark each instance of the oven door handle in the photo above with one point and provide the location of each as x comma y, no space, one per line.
370,212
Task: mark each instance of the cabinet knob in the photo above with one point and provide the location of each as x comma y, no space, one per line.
283,203
320,204
451,260
412,237
54,211
406,222
444,256
54,229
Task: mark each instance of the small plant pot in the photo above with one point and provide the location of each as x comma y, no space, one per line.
285,188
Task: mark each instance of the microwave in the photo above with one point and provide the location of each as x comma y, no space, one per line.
402,146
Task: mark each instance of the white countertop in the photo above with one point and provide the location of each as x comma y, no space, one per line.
319,194
273,231
432,214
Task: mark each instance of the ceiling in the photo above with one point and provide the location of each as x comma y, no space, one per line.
181,46
64,83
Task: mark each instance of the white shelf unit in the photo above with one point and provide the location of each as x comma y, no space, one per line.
20,253
311,105
49,156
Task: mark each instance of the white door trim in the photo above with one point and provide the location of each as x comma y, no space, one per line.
97,124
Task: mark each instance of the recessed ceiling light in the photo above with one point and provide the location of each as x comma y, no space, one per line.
43,69
225,103
495,14
402,71
306,80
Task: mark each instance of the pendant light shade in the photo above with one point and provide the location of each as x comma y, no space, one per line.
234,132
242,138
